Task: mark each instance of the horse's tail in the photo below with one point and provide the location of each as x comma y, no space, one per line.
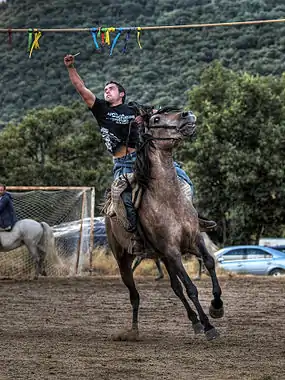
48,246
210,245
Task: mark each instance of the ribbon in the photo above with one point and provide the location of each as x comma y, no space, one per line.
107,37
99,32
102,34
93,33
126,41
138,36
30,39
35,44
115,40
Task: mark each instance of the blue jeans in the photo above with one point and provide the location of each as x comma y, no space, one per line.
125,164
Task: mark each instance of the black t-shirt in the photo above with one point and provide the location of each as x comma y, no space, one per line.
114,123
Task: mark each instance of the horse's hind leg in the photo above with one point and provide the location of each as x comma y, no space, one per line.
125,265
42,258
178,290
36,258
199,275
159,270
125,262
137,262
216,309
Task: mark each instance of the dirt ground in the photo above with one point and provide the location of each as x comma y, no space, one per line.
61,329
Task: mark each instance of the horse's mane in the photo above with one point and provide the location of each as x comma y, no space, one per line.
142,166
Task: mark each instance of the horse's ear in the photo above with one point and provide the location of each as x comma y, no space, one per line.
143,128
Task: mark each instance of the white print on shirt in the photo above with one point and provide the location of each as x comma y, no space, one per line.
119,118
110,139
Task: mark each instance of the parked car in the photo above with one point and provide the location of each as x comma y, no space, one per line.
252,259
279,248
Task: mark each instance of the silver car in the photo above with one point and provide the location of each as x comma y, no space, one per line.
251,259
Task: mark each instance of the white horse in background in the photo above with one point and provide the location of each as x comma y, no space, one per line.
37,237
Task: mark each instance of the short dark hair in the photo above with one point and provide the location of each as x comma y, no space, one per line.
120,88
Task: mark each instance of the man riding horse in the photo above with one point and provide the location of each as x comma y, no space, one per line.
7,213
114,118
37,237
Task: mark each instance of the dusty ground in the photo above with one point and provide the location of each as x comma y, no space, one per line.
61,328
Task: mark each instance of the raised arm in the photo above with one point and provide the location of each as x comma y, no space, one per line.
84,92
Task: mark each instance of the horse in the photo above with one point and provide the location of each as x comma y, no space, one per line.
38,237
168,221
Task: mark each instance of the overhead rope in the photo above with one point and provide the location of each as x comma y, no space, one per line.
208,25
103,33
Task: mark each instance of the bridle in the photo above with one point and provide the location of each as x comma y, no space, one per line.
164,127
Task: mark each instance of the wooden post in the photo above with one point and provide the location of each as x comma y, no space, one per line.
91,245
79,245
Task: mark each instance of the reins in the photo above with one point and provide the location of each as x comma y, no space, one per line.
164,127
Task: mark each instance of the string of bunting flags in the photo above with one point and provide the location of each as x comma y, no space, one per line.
102,35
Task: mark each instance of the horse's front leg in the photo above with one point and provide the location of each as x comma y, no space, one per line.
216,309
178,290
125,266
192,292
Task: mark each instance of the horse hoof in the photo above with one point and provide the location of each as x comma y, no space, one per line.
198,328
212,334
130,336
216,313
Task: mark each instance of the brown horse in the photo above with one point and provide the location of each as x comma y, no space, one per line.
168,221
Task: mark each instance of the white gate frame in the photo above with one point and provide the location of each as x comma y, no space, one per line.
92,211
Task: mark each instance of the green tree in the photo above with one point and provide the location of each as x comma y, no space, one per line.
236,160
55,147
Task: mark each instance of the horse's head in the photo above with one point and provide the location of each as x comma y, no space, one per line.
160,131
167,124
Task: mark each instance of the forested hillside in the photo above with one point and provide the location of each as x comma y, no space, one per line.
161,73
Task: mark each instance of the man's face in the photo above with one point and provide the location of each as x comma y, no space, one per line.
2,190
112,94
